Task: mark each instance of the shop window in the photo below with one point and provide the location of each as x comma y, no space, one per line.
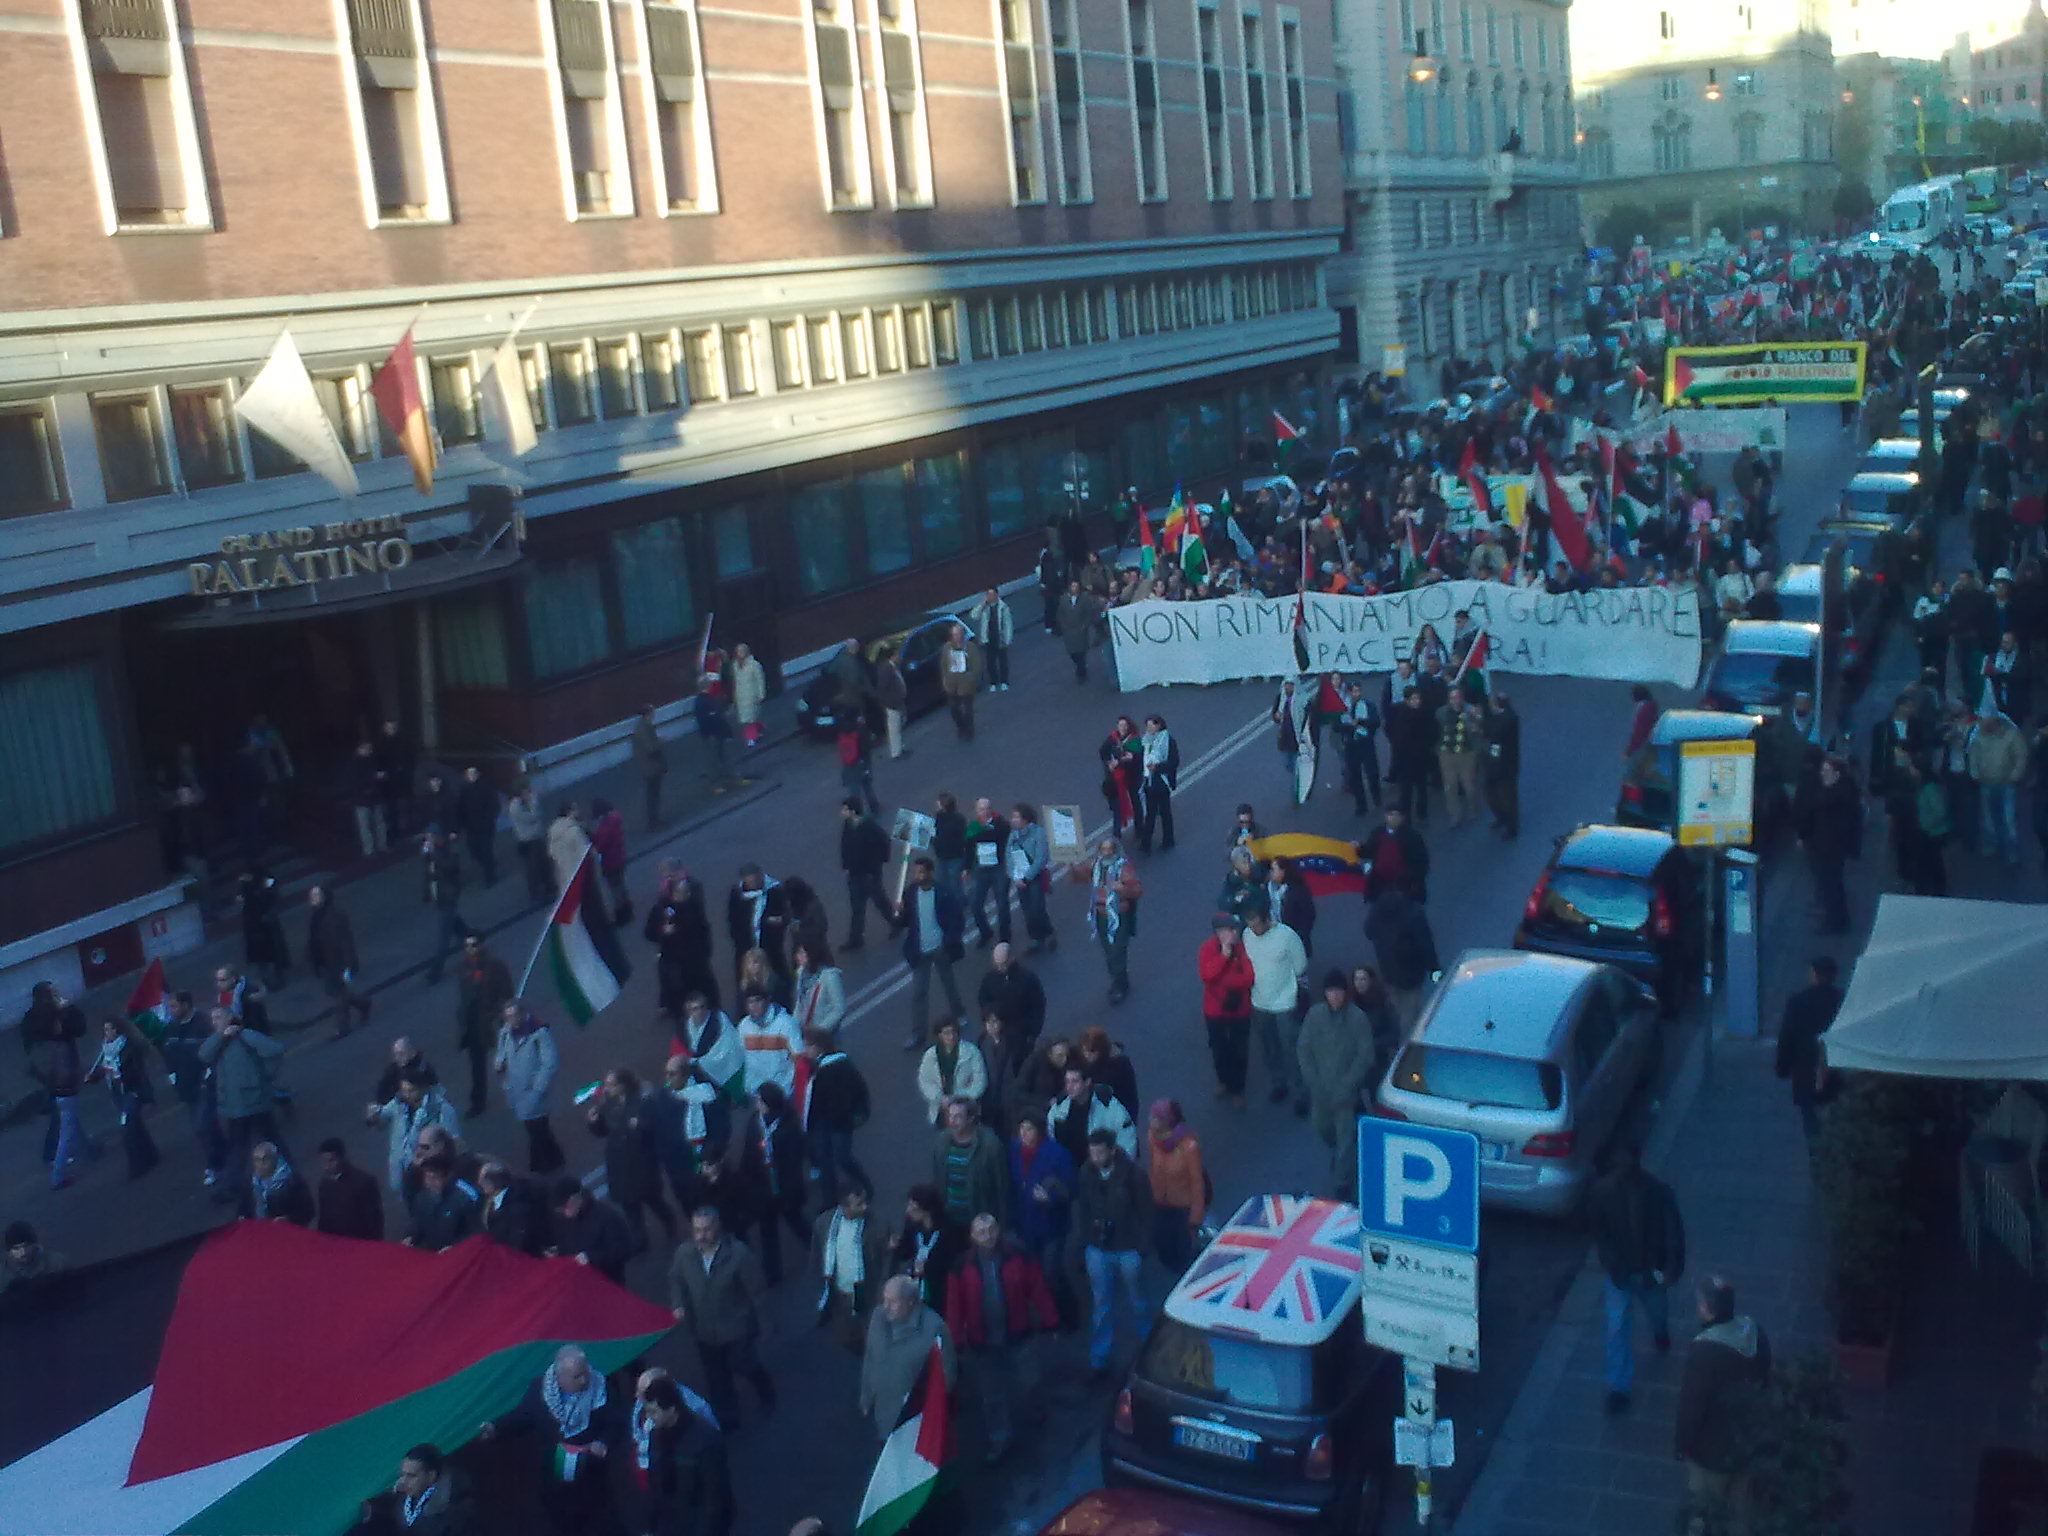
131,446
732,541
56,766
31,469
469,641
1177,430
1052,471
203,426
565,621
651,566
817,525
1212,433
569,374
1143,465
1003,491
884,497
941,505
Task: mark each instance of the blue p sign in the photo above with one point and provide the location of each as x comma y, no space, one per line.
1419,1183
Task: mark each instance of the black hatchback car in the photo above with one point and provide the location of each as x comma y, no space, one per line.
920,638
1626,896
1256,1388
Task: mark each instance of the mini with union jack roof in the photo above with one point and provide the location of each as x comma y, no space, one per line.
1256,1388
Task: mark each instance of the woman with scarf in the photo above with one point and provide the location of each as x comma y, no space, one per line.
123,1065
820,987
570,1411
951,1067
680,930
1122,768
1180,1186
1113,893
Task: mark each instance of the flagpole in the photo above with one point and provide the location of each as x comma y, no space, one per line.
541,943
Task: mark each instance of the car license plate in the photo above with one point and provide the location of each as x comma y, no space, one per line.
1494,1151
1211,1441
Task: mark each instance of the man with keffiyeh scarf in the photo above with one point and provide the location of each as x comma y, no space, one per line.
571,1406
1114,889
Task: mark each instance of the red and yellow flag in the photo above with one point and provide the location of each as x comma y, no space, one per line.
396,388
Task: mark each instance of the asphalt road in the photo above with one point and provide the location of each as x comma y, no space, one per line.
1038,743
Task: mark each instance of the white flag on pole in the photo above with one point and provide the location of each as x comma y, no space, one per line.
282,404
505,404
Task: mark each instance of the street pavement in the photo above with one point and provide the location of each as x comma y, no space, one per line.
1036,742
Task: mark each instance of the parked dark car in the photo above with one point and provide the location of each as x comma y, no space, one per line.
1625,896
920,637
1762,664
1649,780
1242,1396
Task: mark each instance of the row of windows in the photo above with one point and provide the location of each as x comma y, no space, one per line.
1432,116
1488,28
1471,315
150,162
1435,223
157,442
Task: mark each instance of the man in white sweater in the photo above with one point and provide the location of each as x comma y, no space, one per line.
1278,964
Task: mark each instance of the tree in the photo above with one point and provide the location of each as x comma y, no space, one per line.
1989,138
1853,201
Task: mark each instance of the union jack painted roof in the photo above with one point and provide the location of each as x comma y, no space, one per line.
1284,1268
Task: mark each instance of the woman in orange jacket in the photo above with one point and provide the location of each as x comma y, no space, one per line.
1180,1186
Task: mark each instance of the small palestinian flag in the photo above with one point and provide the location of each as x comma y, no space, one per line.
149,1004
298,1368
1284,430
1540,398
1148,552
724,1060
907,1473
1412,563
583,949
1194,554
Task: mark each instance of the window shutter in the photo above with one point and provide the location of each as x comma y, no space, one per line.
1021,78
675,52
387,52
391,123
579,45
899,70
835,65
1145,90
141,132
127,37
1212,90
1255,95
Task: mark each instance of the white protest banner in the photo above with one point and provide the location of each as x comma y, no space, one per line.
1626,634
1724,430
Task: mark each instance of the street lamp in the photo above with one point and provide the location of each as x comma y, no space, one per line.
1848,98
1421,68
1713,87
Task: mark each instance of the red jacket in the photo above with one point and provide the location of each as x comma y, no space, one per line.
1226,981
1026,1299
608,840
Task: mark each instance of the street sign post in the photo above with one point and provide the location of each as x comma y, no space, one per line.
1716,793
1418,1201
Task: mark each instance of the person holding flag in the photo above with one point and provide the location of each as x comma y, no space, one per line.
907,1375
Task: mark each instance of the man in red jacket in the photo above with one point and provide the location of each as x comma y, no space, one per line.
1226,972
996,1301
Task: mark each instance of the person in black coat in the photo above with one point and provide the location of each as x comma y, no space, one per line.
1808,1013
1503,769
689,1482
680,930
510,1211
1640,1242
1406,948
263,942
863,851
623,1116
331,952
837,1107
1395,856
570,1409
589,1230
348,1199
1828,816
476,807
1011,989
757,916
763,1188
1411,748
444,1210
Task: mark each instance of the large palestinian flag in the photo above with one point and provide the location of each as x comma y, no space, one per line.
298,1368
914,1456
583,948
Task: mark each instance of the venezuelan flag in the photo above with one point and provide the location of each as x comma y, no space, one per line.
1329,865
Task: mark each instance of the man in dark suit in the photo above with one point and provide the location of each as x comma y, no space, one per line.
1808,1013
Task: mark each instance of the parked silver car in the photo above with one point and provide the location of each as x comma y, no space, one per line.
1538,1056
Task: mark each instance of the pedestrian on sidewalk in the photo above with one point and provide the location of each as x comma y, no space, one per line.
1074,617
415,1107
1998,761
864,850
1278,964
484,988
1395,855
1013,992
1226,973
850,1247
949,842
680,930
398,763
362,785
893,694
1827,814
714,730
1028,863
276,1191
959,677
477,807
761,1186
331,952
51,1031
934,924
527,1061
969,1168
901,1334
757,916
997,1303
1503,770
347,1199
123,1065
1335,1052
856,750
1052,581
995,628
591,1231
749,692
715,1288
244,1065
1114,891
1113,1228
263,943
1179,1183
1729,1354
1640,1242
951,1068
1406,949
1359,729
1460,738
650,756
835,1104
529,838
1808,1013
441,889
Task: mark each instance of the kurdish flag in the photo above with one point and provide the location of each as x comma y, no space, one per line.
1328,865
907,1473
583,950
149,1004
298,1368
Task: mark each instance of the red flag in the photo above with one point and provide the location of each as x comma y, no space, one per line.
1637,377
1565,527
1673,443
1540,398
1475,482
1283,429
1607,464
396,388
1475,659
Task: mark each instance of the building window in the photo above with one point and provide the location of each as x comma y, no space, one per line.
1004,495
1446,117
1020,101
701,366
1500,113
469,641
1542,46
1296,106
786,344
883,496
1746,83
1475,118
855,351
1148,137
740,378
1599,153
1258,122
901,70
593,129
1748,138
533,369
615,370
1070,117
400,139
941,505
203,427
888,326
1215,113
1548,120
1667,26
131,446
683,126
732,541
651,569
1515,37
817,526
56,763
822,348
945,332
456,417
841,129
566,627
31,468
569,377
148,136
658,370
917,337
1492,35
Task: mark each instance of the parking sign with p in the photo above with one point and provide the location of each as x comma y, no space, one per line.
1419,1183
